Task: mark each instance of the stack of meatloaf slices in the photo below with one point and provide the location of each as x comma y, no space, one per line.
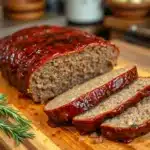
66,64
117,103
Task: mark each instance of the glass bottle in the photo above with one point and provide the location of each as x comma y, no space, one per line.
84,11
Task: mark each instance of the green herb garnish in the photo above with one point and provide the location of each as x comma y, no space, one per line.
3,98
14,114
17,132
19,127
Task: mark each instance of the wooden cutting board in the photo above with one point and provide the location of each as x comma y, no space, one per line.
67,138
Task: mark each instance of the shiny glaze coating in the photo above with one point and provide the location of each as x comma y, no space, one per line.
65,113
26,50
89,125
126,135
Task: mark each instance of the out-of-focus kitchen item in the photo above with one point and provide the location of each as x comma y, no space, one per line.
1,10
52,5
84,12
55,6
24,9
130,10
141,29
107,9
139,34
119,25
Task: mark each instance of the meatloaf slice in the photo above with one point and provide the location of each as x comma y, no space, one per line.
132,123
82,97
112,106
45,61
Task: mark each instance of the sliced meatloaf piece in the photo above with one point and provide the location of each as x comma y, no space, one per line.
45,61
83,97
134,122
112,106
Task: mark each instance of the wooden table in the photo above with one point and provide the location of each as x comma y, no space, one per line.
67,138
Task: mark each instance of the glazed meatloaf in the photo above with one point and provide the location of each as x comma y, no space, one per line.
45,61
83,97
112,106
134,122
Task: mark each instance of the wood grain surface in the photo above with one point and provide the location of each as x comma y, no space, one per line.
67,138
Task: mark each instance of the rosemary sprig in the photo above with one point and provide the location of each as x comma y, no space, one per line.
3,98
18,129
14,114
7,111
17,132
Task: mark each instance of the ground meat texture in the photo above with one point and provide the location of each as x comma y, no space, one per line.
44,61
112,106
135,121
87,95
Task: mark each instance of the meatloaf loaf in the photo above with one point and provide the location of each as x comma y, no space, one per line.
45,61
134,122
112,106
87,95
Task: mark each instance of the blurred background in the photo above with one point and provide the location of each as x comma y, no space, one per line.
123,19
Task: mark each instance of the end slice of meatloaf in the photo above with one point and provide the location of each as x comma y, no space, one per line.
112,106
134,122
87,95
45,61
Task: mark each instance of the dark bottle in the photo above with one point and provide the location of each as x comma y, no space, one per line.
55,6
107,9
